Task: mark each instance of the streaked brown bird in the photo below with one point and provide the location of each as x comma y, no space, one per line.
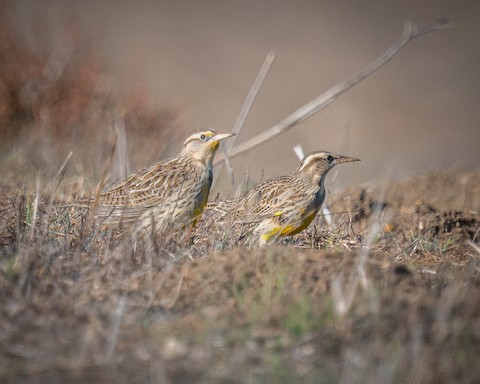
285,205
167,195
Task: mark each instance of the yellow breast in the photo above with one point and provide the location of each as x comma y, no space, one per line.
271,230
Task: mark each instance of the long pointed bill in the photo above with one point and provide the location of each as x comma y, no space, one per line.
222,136
345,159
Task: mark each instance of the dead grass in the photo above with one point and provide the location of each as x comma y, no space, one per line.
80,305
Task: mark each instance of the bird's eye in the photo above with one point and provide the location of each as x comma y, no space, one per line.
203,137
330,158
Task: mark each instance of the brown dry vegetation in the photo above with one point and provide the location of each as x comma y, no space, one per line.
354,302
387,292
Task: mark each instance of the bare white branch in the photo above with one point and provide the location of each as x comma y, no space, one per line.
410,33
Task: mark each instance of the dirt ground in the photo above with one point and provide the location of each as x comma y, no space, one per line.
387,290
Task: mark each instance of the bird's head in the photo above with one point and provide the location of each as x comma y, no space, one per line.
317,164
203,145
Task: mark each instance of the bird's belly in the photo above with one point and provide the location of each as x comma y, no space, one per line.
201,200
271,228
290,230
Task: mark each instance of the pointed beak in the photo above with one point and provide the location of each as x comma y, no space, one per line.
222,136
345,159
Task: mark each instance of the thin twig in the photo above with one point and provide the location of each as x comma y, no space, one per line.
410,33
247,105
121,167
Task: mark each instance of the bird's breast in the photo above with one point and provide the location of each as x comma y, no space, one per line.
203,190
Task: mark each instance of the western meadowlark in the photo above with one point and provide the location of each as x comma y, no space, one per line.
285,205
170,194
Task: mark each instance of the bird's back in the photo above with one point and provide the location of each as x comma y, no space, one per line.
277,196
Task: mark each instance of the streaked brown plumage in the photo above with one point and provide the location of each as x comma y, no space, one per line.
170,194
285,205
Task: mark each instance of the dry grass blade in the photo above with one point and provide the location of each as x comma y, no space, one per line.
474,246
121,166
116,321
35,208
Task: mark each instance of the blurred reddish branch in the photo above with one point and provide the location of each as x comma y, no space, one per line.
57,99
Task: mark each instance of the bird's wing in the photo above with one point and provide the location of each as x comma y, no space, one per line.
149,187
267,199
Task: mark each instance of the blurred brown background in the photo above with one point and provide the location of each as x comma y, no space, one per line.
199,58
